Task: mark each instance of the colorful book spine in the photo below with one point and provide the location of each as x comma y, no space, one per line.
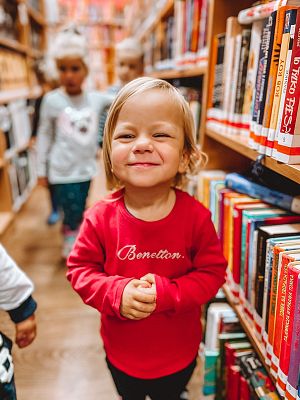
288,145
284,259
241,184
289,328
279,24
290,19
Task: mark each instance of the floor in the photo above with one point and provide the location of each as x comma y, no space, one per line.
66,361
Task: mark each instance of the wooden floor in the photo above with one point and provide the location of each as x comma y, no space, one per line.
66,361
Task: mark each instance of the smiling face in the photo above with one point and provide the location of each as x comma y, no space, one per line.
72,73
148,140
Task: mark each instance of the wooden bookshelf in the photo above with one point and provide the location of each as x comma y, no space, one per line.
183,73
29,29
239,144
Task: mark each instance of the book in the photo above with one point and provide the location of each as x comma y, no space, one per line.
264,233
245,185
281,244
289,326
210,372
274,61
285,258
255,41
257,376
288,142
288,244
233,383
261,79
290,20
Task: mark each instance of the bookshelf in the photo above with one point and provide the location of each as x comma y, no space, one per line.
22,41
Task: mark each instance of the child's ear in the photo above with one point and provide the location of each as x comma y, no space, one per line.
184,161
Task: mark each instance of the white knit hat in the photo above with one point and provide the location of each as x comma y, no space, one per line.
131,46
70,43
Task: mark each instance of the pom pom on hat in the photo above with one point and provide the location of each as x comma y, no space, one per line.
70,43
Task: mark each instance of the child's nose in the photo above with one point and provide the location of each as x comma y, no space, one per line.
143,144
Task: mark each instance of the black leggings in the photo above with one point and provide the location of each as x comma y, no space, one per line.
168,387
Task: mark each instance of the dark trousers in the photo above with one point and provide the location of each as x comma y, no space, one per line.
168,387
71,198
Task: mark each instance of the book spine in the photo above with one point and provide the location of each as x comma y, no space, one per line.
288,327
290,19
279,314
286,136
280,19
243,185
267,45
284,90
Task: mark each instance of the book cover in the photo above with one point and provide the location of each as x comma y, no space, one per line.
290,19
244,185
233,383
289,326
210,372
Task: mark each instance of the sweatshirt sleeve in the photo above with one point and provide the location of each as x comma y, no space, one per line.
45,135
202,283
15,289
87,276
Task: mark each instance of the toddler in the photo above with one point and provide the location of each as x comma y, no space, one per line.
147,257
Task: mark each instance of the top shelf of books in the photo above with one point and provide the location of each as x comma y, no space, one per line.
253,103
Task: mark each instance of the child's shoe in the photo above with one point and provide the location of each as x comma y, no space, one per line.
69,239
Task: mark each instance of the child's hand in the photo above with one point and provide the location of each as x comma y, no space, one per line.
42,181
148,285
137,302
25,332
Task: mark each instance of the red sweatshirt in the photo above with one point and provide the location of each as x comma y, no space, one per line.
183,252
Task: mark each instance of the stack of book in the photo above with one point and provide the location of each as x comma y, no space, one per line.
255,90
261,241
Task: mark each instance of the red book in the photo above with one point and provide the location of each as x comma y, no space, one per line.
288,145
289,328
233,383
244,389
284,259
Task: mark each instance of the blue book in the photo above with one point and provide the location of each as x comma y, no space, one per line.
245,185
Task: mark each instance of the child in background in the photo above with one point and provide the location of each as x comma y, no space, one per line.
147,257
15,298
67,139
47,84
129,65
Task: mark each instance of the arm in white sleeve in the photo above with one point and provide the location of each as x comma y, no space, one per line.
45,137
15,289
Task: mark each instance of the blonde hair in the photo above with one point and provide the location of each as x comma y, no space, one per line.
194,155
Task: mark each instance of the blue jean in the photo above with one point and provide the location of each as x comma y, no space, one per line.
71,198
